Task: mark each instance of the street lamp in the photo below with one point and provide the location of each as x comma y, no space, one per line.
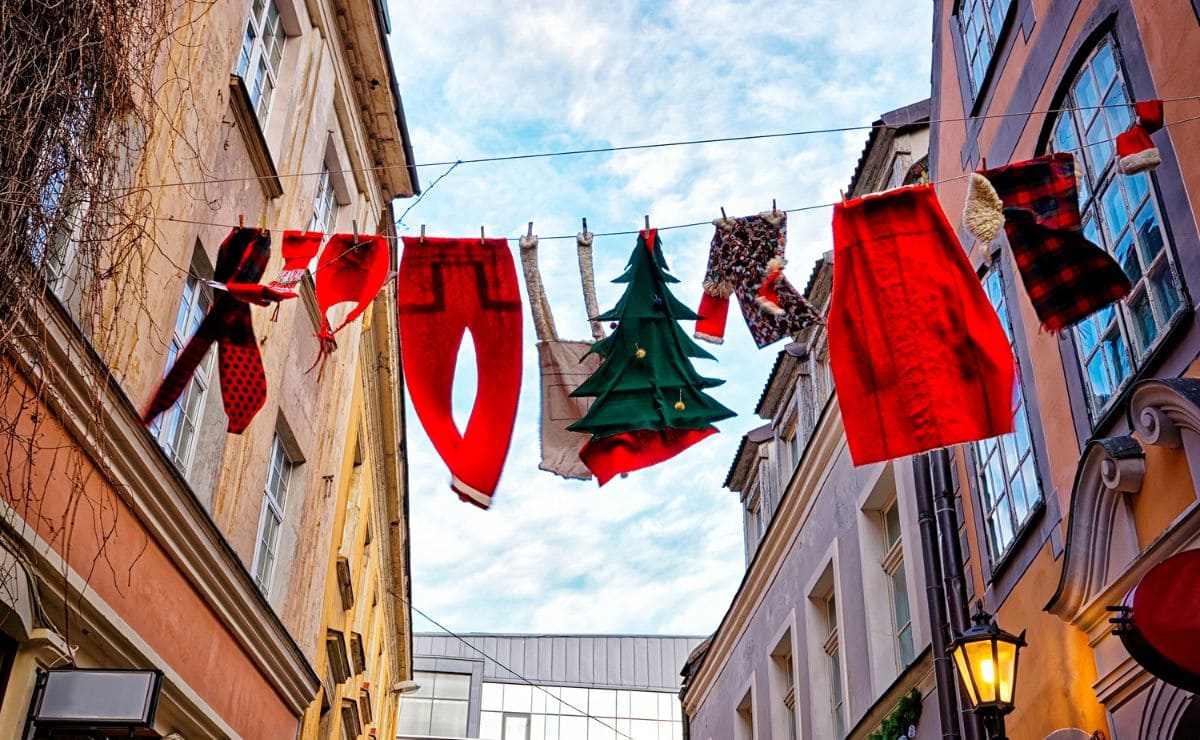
986,657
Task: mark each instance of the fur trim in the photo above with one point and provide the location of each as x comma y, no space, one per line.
766,305
718,288
1079,171
776,264
983,212
724,224
709,338
1147,159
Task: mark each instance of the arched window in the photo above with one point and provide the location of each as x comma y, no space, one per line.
1120,213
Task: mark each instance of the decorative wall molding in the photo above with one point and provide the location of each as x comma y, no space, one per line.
158,495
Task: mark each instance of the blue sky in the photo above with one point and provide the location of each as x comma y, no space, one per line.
660,551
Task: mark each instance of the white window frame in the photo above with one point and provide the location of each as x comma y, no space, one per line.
833,654
280,467
261,55
1109,346
1005,467
176,428
897,577
325,203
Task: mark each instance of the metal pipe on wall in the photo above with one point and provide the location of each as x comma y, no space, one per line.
935,597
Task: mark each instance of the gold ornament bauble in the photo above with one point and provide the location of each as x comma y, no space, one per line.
640,354
680,405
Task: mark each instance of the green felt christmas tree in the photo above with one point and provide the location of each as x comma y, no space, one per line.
650,402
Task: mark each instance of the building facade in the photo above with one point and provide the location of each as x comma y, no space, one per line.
207,556
829,629
545,687
1095,487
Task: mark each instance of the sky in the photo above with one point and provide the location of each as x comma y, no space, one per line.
661,551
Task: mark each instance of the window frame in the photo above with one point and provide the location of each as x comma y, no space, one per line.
177,444
833,654
983,453
994,32
1094,190
251,66
325,203
893,564
427,695
274,506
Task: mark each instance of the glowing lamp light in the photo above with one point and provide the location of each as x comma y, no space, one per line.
986,657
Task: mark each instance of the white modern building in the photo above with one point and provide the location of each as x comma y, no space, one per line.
545,687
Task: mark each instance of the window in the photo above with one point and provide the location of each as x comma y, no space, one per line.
325,205
980,23
439,707
755,522
175,429
1004,466
516,727
833,652
262,51
279,474
745,717
783,697
893,566
1119,214
793,444
351,723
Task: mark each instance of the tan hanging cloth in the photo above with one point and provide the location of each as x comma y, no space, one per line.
564,364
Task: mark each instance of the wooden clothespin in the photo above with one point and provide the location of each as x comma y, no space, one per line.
774,210
843,194
647,222
422,233
530,232
241,220
983,163
481,236
585,225
723,216
354,226
263,223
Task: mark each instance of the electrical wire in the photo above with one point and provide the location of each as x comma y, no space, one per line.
693,224
464,641
642,147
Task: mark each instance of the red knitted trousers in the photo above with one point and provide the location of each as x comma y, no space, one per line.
447,286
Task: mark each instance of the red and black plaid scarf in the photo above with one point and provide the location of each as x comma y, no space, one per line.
1067,277
242,259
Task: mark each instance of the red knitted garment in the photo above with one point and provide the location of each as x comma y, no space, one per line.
447,286
351,271
919,358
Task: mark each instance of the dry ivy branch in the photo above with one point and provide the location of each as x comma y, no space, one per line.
80,85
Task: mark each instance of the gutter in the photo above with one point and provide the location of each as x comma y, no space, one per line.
384,24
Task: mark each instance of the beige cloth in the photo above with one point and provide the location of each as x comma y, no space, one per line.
564,364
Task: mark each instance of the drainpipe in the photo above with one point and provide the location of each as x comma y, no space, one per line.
952,560
935,598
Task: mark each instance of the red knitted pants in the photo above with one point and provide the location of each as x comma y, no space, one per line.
447,286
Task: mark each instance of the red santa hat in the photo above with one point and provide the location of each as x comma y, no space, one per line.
1135,149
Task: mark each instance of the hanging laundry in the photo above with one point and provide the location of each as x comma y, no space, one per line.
445,287
1067,277
241,260
918,356
746,259
650,402
298,249
1135,150
350,270
564,365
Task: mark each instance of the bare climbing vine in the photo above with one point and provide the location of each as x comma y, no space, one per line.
82,116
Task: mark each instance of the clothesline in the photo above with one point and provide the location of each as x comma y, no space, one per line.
693,224
641,147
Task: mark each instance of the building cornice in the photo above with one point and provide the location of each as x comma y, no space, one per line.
827,440
133,463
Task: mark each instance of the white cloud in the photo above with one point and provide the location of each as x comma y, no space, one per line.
661,550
